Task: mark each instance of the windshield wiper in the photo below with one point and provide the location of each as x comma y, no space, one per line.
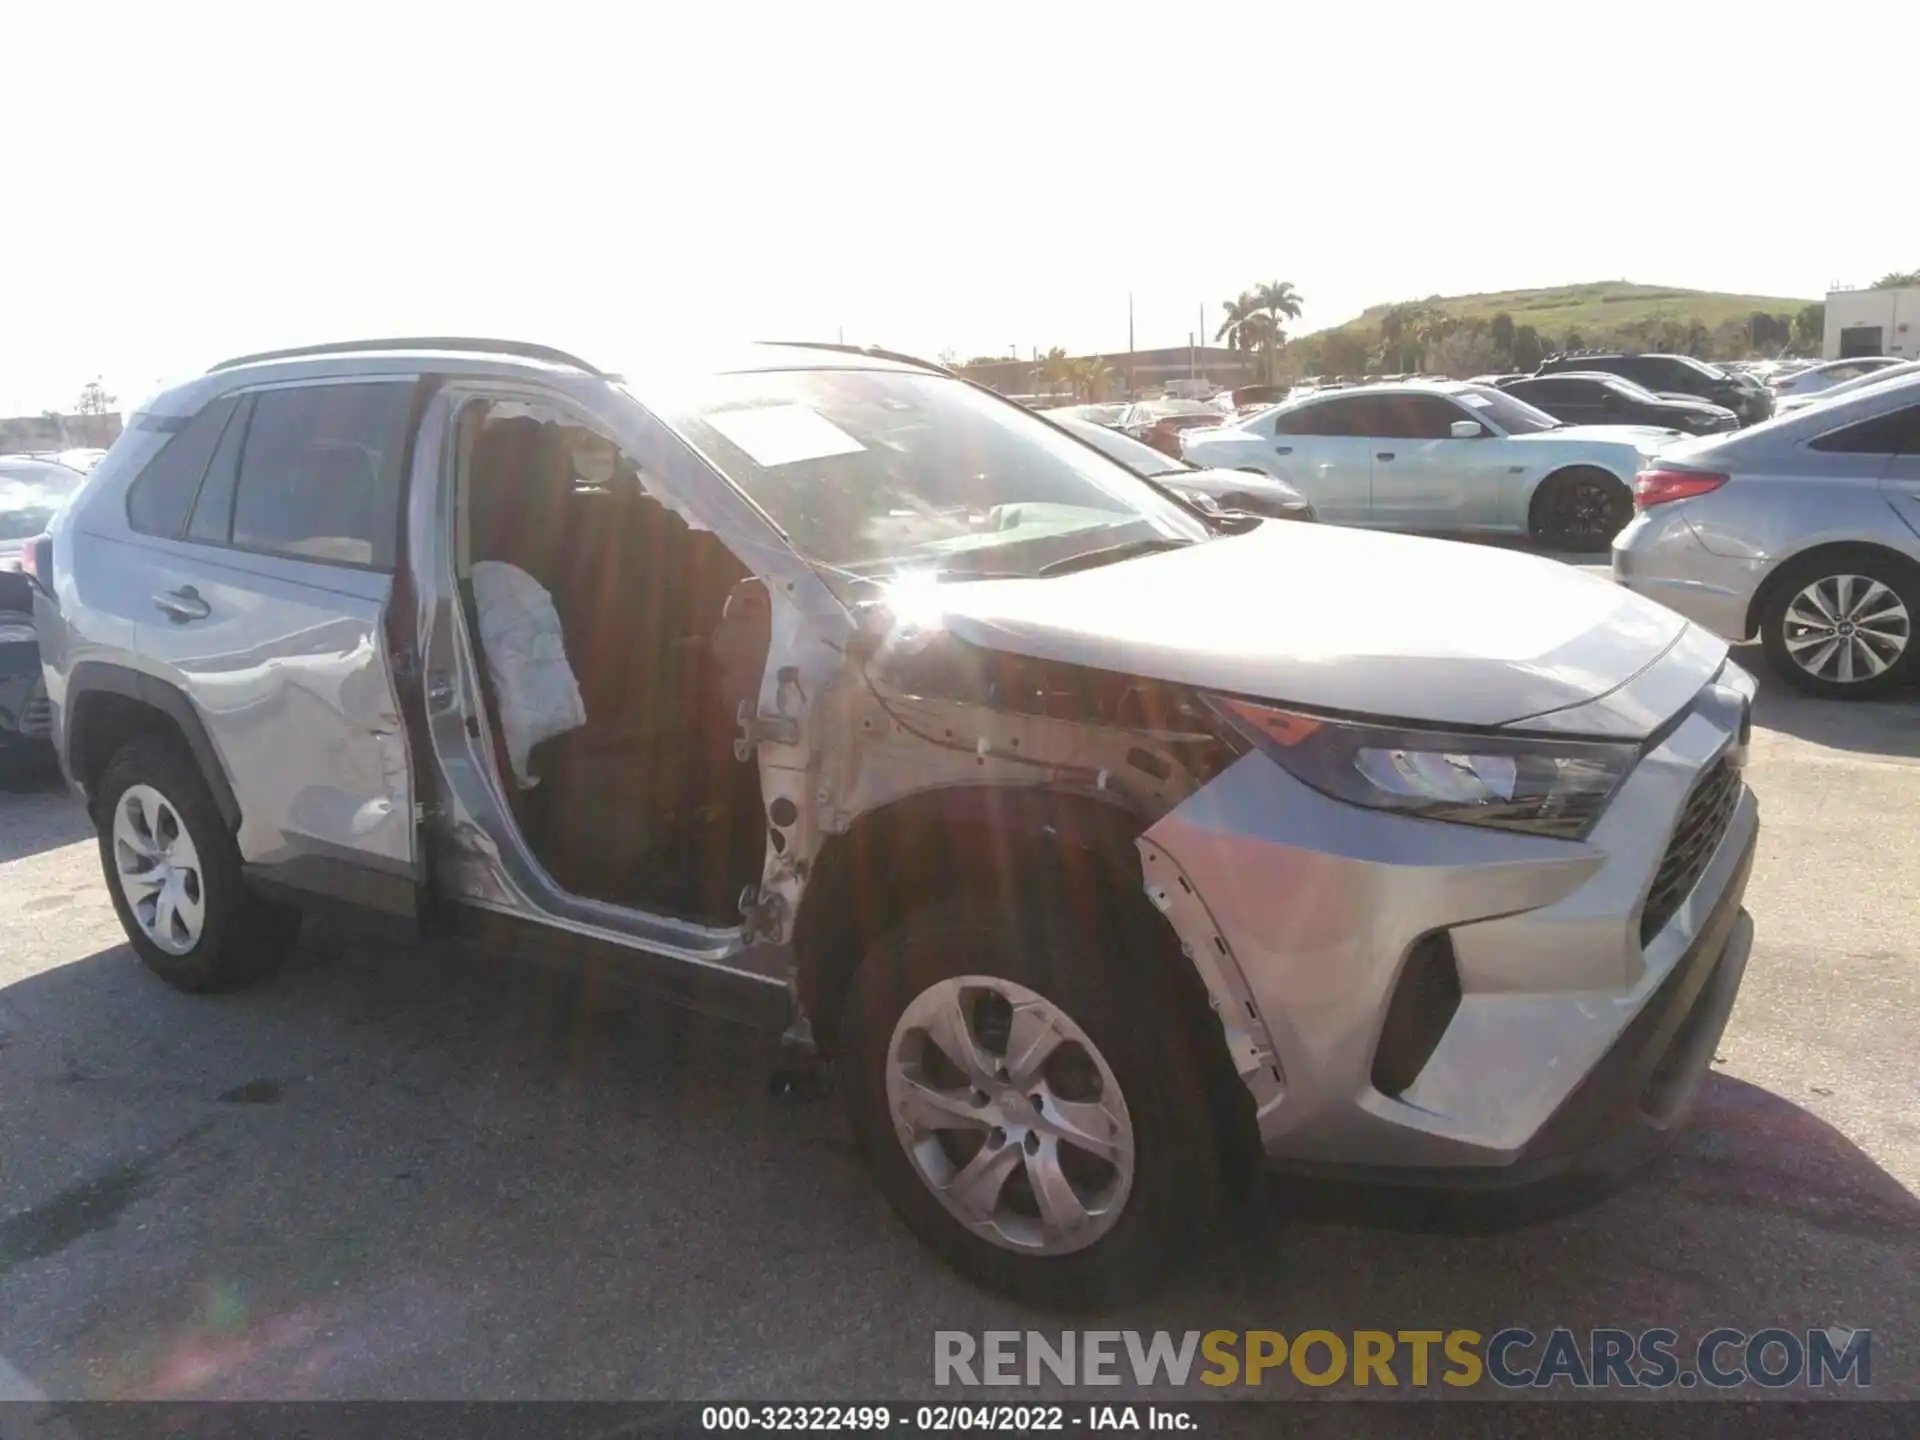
1109,554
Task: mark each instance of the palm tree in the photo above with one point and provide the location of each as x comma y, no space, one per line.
1233,329
1279,302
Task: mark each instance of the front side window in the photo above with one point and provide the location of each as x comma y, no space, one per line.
162,494
869,470
1895,433
1431,418
319,477
1507,412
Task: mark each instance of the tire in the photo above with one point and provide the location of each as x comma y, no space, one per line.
1855,586
1579,510
152,795
1129,1012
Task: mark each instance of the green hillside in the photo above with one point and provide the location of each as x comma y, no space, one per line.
1466,332
1602,307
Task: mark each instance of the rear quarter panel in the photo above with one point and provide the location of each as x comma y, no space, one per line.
1770,515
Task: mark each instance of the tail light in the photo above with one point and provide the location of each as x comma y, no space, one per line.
36,558
1658,487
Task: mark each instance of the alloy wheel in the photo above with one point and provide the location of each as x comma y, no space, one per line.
159,871
1583,512
1010,1115
1845,629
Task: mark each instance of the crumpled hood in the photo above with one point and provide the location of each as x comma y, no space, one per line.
1335,619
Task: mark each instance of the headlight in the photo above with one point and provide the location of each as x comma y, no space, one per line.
1525,783
15,630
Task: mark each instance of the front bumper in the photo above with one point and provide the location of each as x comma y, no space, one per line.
1568,1036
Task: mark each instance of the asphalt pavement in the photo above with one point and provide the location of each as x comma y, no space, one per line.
417,1172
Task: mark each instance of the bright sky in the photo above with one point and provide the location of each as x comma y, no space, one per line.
189,181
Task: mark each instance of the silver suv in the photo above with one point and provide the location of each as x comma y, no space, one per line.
1102,851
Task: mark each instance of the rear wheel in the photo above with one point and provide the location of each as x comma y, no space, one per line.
174,874
1029,1104
1580,510
1840,625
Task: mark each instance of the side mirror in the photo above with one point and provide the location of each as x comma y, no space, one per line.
1466,429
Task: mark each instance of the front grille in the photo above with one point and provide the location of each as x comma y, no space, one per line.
1703,821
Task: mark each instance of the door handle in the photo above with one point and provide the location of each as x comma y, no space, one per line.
1283,449
1383,454
182,605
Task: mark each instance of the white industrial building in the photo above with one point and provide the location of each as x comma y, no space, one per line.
1872,322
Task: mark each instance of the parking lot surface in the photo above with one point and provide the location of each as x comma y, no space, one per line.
417,1172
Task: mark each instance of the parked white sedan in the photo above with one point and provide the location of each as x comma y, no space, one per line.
1448,456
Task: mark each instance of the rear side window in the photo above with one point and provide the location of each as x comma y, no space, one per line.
1895,433
1335,417
213,512
319,477
162,494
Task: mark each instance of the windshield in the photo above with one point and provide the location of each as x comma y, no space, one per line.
877,470
1136,455
31,494
1510,413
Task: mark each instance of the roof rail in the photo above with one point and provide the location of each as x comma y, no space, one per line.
874,350
519,348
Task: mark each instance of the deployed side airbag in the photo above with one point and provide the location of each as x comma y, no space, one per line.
533,685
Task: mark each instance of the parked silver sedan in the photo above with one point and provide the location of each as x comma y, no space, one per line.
1804,530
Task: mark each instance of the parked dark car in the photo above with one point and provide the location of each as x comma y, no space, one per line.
1245,397
1597,398
32,490
1675,375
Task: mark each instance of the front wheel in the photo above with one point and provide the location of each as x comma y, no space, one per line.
1033,1111
1580,510
1840,625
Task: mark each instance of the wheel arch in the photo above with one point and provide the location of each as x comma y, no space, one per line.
991,840
107,705
935,844
1783,572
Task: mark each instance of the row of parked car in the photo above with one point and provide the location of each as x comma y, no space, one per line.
33,487
1798,527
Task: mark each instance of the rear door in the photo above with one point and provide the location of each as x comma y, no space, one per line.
1322,450
269,611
